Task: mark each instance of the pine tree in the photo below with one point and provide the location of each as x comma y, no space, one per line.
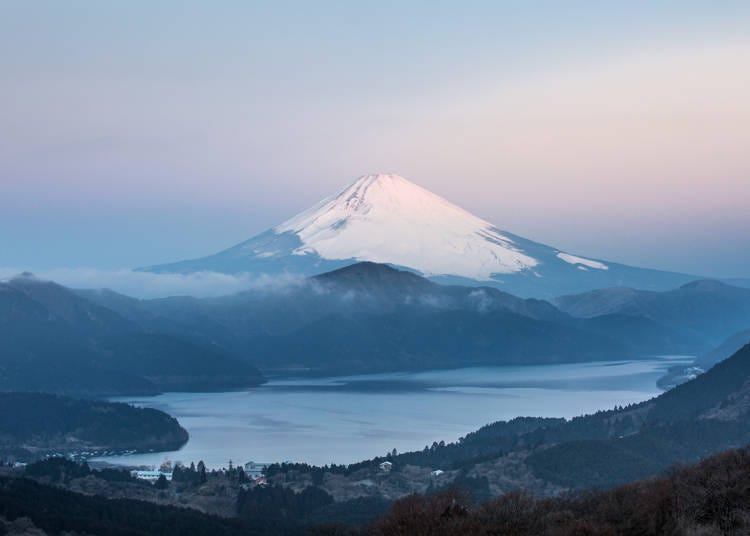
202,478
162,482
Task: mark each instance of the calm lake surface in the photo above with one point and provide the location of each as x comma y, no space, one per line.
352,418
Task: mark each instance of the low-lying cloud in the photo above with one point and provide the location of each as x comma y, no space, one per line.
150,285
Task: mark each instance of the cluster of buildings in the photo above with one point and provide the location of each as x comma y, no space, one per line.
153,475
386,467
150,476
253,470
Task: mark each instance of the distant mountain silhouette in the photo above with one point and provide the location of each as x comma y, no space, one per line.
709,310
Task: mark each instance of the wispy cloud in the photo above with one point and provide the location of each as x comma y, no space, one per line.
149,285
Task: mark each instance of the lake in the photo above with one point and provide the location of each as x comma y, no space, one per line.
352,418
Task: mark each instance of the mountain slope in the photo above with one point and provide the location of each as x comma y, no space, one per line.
387,219
724,350
363,343
84,316
53,340
694,420
707,309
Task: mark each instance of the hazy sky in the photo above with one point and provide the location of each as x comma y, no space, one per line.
135,133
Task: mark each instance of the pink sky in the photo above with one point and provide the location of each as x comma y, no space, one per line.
613,137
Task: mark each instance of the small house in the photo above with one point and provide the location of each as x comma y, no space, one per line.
386,467
255,469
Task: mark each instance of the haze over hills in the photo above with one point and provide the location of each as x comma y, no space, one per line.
370,317
388,219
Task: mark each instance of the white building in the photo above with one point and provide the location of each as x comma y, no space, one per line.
255,469
386,467
151,476
437,472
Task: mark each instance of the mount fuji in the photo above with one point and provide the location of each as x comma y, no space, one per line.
388,219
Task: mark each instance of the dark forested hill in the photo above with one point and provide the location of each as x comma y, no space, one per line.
53,340
57,511
414,340
34,424
703,416
709,498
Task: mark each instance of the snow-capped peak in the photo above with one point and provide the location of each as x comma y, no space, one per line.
386,218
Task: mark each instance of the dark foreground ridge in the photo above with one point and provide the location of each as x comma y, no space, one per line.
57,511
710,498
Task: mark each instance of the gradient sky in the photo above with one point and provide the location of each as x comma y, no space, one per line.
140,132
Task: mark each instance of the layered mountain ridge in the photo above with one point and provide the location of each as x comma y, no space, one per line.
370,317
365,317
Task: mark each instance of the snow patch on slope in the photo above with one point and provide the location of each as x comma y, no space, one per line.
572,259
386,218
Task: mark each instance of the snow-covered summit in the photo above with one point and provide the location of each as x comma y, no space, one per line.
388,219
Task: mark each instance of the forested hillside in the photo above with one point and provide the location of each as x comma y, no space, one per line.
33,425
710,498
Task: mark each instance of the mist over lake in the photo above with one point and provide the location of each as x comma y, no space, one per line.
348,419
